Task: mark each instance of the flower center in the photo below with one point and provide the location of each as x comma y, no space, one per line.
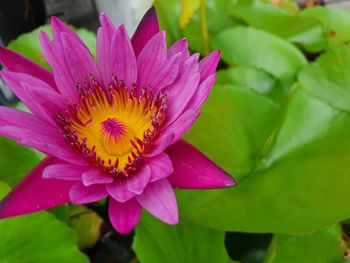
114,128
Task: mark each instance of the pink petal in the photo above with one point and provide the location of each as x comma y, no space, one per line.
161,144
147,28
96,176
81,194
79,60
20,83
33,132
64,172
17,63
174,132
151,60
54,55
124,216
193,170
49,101
123,58
202,94
182,90
119,191
159,199
59,27
167,74
180,46
103,50
34,193
208,64
24,120
179,127
160,165
137,182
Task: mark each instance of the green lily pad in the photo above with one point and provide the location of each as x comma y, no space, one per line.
16,161
302,30
185,242
244,46
302,166
255,79
323,247
4,189
38,238
235,123
336,23
329,77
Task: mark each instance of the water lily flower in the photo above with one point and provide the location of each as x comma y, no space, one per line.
110,128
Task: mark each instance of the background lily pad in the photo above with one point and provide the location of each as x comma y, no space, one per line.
322,246
38,238
301,165
185,242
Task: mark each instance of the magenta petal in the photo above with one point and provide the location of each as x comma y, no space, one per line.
64,171
179,127
124,216
34,193
54,55
17,63
103,47
96,176
151,60
182,90
137,182
31,131
119,191
79,60
81,194
123,58
159,199
202,94
50,102
207,65
167,73
162,143
20,83
160,165
180,46
193,170
59,27
147,28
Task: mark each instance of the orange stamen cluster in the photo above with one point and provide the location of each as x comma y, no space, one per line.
112,128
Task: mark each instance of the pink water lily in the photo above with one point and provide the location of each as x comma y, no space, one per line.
110,128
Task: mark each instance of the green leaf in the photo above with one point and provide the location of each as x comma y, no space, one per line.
4,189
185,242
336,23
329,77
16,161
304,31
241,121
255,79
38,238
322,247
217,19
300,166
28,44
245,46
